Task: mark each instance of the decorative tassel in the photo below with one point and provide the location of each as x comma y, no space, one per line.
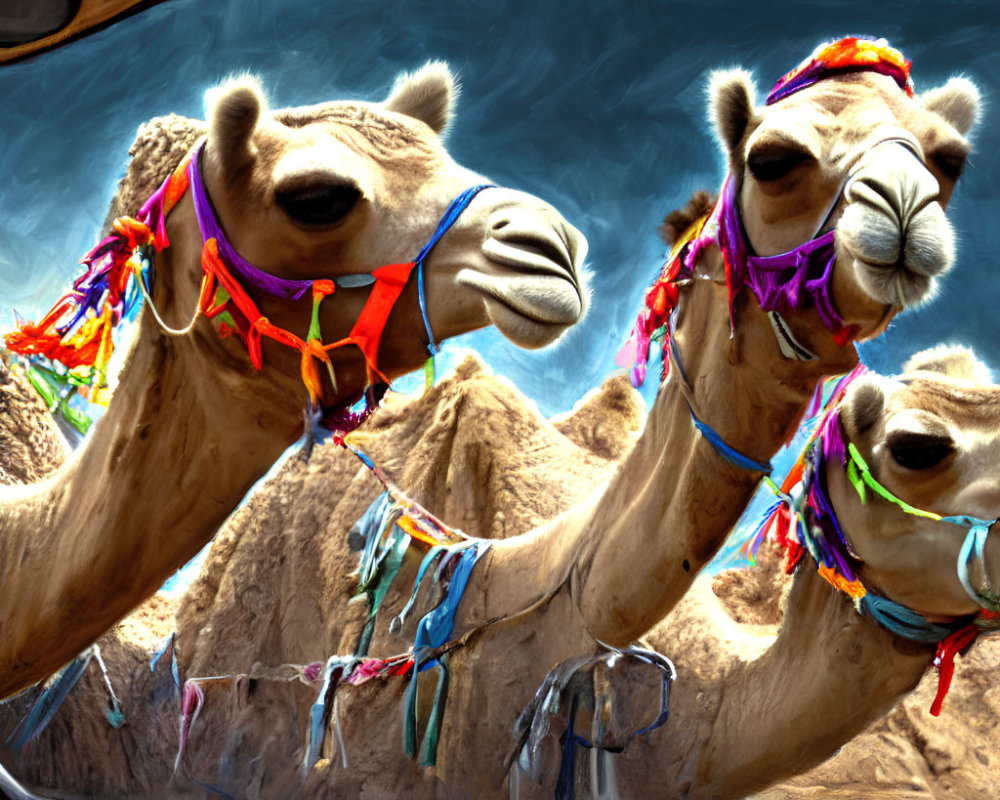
566,784
114,713
48,702
192,700
318,715
429,373
944,660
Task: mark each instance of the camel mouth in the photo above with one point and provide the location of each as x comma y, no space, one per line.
898,264
531,283
531,310
897,233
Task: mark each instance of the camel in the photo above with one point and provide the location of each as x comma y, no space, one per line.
762,354
288,201
745,363
751,718
854,659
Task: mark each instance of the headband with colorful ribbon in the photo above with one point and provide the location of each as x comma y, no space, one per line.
850,54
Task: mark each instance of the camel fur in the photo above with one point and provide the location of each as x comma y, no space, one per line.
237,614
632,552
340,187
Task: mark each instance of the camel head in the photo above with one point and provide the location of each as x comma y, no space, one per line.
845,159
830,221
931,438
338,191
896,501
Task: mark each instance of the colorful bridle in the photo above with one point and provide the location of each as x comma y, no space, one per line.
798,279
804,520
77,332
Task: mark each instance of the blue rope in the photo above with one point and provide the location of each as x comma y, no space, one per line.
433,630
458,205
734,457
905,622
973,550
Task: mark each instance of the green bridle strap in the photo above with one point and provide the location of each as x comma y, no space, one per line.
861,476
973,547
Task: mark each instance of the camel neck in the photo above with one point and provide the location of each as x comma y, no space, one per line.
181,443
668,510
632,553
828,663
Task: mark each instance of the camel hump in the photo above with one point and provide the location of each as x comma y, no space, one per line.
953,361
159,146
607,421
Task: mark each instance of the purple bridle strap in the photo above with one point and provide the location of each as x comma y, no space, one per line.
246,272
782,282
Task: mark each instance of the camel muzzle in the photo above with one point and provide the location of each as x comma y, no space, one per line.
893,225
532,282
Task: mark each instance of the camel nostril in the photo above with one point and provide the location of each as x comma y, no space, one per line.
540,246
500,224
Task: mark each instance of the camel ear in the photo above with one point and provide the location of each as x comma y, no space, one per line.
957,102
233,110
428,94
731,107
953,361
863,404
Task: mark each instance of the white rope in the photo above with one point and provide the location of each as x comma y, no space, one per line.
138,274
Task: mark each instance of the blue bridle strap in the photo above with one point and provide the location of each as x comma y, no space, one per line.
734,457
450,216
973,550
905,622
730,454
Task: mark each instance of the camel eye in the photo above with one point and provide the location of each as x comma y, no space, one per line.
919,450
951,164
319,204
771,163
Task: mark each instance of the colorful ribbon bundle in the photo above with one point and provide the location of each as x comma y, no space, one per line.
659,302
851,54
68,350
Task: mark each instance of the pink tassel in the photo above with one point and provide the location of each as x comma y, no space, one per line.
192,699
313,673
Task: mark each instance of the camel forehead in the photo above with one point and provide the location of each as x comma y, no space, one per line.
844,111
962,406
383,136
